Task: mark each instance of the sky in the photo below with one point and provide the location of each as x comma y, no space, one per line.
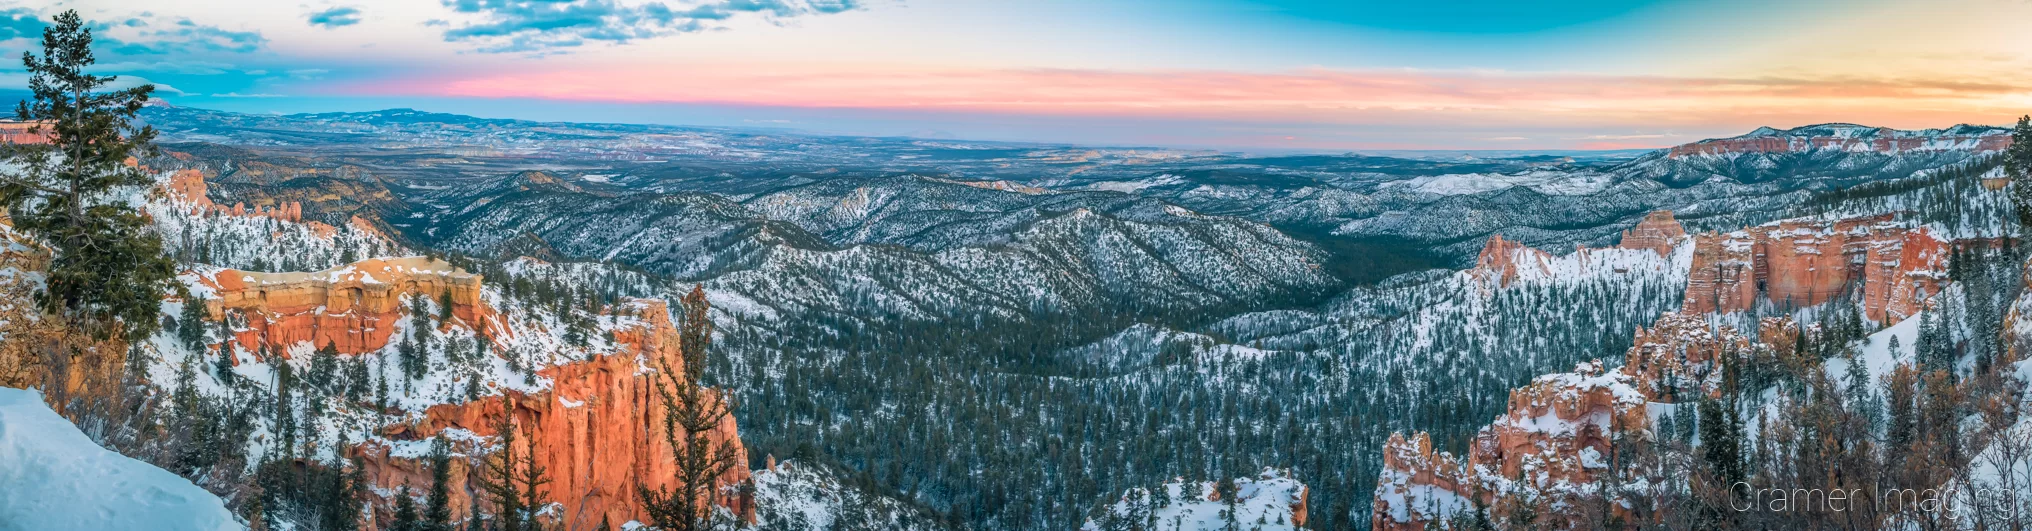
1250,75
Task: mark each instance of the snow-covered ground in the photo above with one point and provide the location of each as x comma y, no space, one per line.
54,478
1544,181
798,496
1265,502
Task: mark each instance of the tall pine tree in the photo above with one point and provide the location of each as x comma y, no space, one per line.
109,271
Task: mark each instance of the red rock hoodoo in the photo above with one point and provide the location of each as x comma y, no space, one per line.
1658,231
598,431
1503,259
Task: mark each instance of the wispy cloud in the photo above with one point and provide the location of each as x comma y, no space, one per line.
335,17
182,36
19,81
239,95
553,26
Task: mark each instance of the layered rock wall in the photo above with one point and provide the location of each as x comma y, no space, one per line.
1792,264
355,308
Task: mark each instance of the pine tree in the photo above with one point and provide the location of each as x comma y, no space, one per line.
691,414
324,365
532,480
405,512
1860,399
516,484
410,359
109,271
437,515
2018,166
1228,492
222,366
356,379
285,408
191,323
381,386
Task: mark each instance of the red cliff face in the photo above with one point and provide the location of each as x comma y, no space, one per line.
1803,263
1657,232
598,431
354,307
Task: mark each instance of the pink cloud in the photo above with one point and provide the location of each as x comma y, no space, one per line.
1383,97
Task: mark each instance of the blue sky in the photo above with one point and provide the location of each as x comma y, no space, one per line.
1243,74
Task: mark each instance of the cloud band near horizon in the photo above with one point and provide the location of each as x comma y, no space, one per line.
1317,96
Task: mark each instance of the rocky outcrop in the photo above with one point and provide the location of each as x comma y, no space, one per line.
355,307
1658,231
1502,260
1560,432
1851,138
1418,485
189,187
1797,263
597,431
13,132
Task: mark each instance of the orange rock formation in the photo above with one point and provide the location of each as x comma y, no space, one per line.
354,307
1559,431
598,431
1658,231
1803,263
189,186
13,132
1502,259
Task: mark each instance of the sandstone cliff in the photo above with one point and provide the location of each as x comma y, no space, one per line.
1892,266
354,308
597,430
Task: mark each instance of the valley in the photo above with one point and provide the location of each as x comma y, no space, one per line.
944,334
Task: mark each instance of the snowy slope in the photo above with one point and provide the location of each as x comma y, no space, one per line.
797,496
1268,502
54,478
